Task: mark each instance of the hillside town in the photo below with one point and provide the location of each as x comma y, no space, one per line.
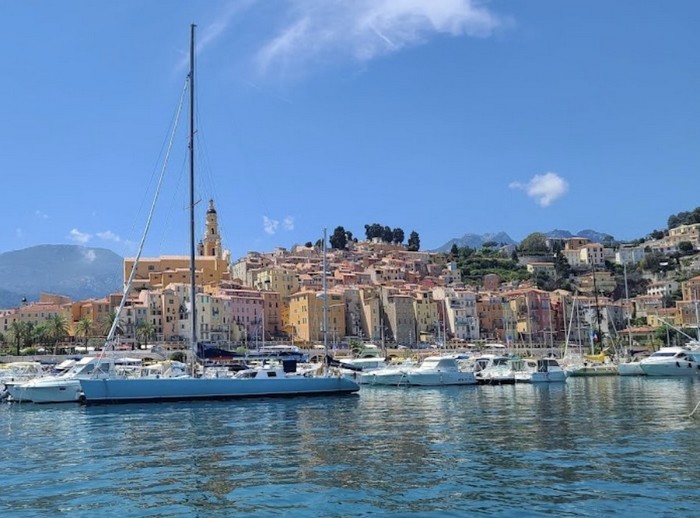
382,292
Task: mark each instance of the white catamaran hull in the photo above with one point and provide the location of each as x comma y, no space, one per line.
179,389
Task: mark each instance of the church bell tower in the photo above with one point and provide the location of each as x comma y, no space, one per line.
210,246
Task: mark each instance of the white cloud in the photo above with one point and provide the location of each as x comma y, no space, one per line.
270,225
41,215
366,29
288,223
89,255
544,188
108,235
79,237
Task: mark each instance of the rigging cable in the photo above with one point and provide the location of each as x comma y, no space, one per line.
127,287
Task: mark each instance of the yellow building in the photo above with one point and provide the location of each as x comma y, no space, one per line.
306,316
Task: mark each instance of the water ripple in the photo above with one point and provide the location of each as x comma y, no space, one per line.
588,447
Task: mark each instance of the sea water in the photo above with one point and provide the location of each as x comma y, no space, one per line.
588,447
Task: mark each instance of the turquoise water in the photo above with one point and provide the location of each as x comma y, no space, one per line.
584,448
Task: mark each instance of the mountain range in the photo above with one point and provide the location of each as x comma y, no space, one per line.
75,271
501,238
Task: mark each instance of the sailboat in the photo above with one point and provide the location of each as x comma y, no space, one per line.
249,383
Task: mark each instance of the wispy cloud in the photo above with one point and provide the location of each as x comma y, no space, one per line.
41,215
288,223
270,225
108,235
544,188
209,34
366,29
78,236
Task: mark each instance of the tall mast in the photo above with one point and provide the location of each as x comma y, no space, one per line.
325,299
193,308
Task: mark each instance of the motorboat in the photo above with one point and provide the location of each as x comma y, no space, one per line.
630,368
352,367
65,387
20,371
589,365
540,370
432,371
672,361
493,369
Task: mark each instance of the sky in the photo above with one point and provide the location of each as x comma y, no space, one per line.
442,117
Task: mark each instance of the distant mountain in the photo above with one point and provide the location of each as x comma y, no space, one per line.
477,241
593,235
75,271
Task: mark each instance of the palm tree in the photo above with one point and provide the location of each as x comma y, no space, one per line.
58,329
17,331
40,334
145,330
84,328
107,325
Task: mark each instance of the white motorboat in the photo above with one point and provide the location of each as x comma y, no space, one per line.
433,371
630,368
63,388
491,369
20,371
672,361
353,367
541,370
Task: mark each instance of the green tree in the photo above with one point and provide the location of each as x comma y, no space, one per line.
107,324
387,234
17,332
398,236
339,239
58,329
145,330
534,244
413,241
84,328
686,247
373,231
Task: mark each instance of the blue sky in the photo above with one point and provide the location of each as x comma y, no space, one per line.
444,116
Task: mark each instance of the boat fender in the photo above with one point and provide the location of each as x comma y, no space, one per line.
678,364
81,399
690,365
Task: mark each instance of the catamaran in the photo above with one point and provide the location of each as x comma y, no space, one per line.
265,382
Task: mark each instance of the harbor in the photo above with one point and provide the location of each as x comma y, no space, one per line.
590,446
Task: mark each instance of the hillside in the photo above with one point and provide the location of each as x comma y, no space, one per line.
76,271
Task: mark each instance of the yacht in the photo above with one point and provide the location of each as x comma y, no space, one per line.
492,369
65,387
672,361
432,371
542,370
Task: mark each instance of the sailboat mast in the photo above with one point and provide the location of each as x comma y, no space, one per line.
325,298
193,307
